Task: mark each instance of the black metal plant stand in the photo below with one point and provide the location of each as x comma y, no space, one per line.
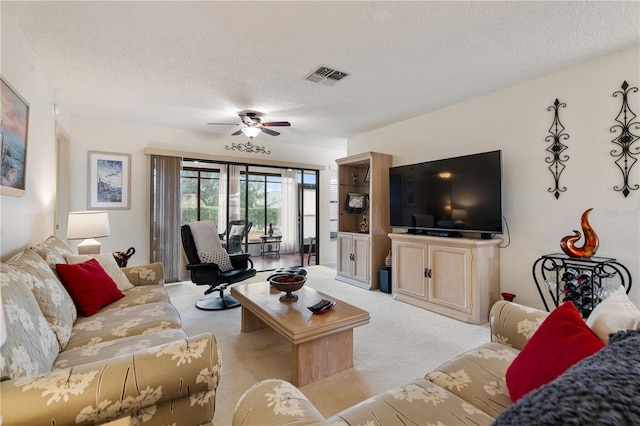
585,281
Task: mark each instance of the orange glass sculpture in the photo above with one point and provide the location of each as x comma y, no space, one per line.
590,246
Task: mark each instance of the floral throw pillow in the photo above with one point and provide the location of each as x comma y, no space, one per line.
31,347
53,299
53,250
219,257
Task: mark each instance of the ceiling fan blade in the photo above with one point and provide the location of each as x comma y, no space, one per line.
277,123
224,124
236,133
269,131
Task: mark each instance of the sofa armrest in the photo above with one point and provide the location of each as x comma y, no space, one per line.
128,385
513,324
275,402
151,274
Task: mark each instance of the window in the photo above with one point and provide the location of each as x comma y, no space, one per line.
285,198
265,197
199,194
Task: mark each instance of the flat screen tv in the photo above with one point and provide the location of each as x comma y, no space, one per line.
448,197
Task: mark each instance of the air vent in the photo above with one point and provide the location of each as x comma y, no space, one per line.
326,75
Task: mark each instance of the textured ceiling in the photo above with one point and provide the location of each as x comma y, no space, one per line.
183,64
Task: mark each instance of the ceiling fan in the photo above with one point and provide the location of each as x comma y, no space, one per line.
253,124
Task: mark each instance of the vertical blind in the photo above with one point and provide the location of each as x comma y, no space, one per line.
165,214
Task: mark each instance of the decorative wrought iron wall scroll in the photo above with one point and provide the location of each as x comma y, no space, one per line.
557,159
247,147
626,155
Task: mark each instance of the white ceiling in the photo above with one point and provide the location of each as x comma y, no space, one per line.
183,64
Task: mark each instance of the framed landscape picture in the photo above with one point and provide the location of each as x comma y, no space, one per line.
109,181
14,129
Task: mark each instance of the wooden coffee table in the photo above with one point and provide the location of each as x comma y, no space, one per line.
321,345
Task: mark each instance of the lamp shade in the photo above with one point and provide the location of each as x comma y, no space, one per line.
251,131
90,224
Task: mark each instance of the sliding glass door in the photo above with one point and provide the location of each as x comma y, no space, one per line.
279,204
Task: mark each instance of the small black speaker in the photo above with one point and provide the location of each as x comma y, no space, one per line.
385,280
486,236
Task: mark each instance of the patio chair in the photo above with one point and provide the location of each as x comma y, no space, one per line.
237,231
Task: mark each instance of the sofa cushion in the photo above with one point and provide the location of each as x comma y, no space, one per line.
417,403
90,287
599,390
562,340
219,257
613,314
108,263
114,348
141,295
31,346
131,321
477,376
54,301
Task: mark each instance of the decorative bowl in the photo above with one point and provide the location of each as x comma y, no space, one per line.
288,283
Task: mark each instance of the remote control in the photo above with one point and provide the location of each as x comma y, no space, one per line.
320,305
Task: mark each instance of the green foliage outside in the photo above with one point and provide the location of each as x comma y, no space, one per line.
190,213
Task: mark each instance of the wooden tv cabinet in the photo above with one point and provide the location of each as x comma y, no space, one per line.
456,277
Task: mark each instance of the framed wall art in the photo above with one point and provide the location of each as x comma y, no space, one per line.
14,130
109,181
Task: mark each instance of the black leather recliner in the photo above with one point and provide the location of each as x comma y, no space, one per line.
210,273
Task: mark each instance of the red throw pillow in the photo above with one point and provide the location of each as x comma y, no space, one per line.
90,287
561,341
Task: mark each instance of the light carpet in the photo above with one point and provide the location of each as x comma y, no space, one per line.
400,343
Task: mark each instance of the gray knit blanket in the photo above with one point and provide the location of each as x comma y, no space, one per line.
603,389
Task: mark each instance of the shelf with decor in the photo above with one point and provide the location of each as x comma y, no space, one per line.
363,217
585,281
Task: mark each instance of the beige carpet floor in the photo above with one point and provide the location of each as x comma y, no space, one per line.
400,344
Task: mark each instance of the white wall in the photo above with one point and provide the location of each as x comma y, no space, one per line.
131,227
29,219
516,121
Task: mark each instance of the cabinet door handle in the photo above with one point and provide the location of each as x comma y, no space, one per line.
427,272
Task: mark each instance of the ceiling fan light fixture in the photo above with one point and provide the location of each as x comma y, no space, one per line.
251,131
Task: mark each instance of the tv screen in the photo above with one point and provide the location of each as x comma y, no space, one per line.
461,194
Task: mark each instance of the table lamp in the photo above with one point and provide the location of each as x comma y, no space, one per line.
88,225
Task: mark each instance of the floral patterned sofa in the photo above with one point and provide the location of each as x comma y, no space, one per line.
476,389
131,359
